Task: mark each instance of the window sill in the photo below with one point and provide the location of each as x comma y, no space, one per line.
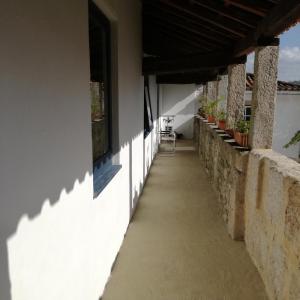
103,175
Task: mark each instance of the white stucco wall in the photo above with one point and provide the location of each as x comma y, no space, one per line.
180,100
151,141
56,241
286,122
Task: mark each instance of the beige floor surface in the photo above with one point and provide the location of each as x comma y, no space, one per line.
177,246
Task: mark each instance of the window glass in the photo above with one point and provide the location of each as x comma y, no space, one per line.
247,113
148,118
99,42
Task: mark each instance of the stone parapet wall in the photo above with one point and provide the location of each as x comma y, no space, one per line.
259,196
272,234
196,133
226,166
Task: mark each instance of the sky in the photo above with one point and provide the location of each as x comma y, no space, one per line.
289,55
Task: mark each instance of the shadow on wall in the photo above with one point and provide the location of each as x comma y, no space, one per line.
59,174
45,134
182,102
28,185
25,191
186,106
186,128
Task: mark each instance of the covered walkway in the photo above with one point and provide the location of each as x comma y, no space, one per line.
177,246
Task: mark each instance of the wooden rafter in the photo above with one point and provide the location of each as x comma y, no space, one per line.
222,10
250,7
286,12
208,27
189,29
191,63
208,18
187,78
180,39
202,36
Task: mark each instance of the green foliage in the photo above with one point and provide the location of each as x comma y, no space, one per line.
95,106
295,139
202,100
243,126
211,107
221,115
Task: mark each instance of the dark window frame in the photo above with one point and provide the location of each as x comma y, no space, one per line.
148,116
100,20
105,167
247,112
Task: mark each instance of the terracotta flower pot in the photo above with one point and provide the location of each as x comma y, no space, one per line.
211,119
241,138
222,124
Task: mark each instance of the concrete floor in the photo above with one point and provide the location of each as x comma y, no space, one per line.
177,246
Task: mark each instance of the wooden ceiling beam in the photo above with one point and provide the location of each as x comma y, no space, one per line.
187,78
283,15
188,24
170,46
188,28
185,37
166,46
222,10
197,45
191,63
209,18
255,9
208,27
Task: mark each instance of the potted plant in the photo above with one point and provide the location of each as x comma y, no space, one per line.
210,111
241,132
222,119
202,105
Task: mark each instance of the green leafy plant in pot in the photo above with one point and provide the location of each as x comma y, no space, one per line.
202,105
222,119
210,110
241,132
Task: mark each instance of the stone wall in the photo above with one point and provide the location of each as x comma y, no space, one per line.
272,234
236,91
196,132
222,91
259,196
226,166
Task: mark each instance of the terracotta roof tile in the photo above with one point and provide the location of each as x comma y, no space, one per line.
281,85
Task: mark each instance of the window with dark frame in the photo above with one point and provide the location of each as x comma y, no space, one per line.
148,118
100,85
247,113
105,164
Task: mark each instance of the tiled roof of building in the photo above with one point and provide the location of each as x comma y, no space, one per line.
281,85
